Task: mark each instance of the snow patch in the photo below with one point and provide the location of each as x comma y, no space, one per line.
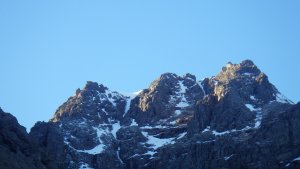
228,157
248,74
222,133
258,119
180,95
157,142
204,142
133,123
181,135
297,159
100,147
67,142
201,86
214,132
177,112
216,82
173,122
118,155
282,99
83,123
137,92
103,109
250,107
182,90
159,126
96,150
182,104
85,166
115,128
99,115
206,129
128,100
110,96
127,107
100,132
135,155
151,153
252,97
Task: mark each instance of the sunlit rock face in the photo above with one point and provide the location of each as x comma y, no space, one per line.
246,80
236,119
240,92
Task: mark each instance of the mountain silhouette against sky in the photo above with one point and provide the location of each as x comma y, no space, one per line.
236,119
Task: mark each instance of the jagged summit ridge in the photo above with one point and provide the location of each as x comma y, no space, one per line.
170,99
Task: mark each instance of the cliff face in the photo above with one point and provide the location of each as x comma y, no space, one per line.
236,119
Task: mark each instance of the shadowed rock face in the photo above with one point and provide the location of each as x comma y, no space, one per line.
16,148
236,119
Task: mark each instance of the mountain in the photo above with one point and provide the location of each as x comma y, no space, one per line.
236,119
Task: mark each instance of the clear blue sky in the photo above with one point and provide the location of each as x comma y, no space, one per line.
50,48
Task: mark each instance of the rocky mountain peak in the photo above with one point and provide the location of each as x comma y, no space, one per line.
91,89
232,71
189,76
164,81
245,82
92,101
167,98
239,95
170,80
94,86
247,63
168,75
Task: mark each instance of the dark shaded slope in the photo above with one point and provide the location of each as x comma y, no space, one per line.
16,149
